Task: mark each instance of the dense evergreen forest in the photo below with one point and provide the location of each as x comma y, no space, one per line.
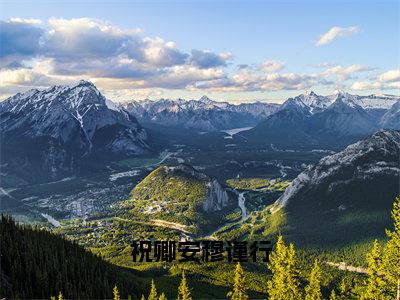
37,264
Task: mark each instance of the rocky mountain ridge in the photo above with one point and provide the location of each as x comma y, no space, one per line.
376,155
203,114
62,125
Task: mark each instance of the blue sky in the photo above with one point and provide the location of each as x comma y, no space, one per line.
229,50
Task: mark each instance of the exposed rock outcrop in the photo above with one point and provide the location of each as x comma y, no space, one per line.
217,197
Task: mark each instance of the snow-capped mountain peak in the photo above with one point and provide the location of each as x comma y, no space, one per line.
78,119
205,99
314,102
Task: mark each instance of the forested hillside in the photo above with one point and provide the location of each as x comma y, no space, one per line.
36,264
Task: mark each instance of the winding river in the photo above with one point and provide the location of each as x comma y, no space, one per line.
241,200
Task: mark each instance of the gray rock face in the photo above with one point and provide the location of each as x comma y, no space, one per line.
377,155
217,197
63,125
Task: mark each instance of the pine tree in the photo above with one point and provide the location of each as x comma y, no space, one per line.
391,255
116,293
60,296
313,290
142,298
375,283
153,291
239,285
333,295
276,284
344,289
293,273
284,283
183,290
162,297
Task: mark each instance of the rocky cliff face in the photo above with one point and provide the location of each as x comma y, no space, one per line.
217,197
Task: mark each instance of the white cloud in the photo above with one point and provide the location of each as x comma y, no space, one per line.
90,48
336,32
385,81
390,76
270,66
26,21
248,80
365,85
368,85
345,73
17,77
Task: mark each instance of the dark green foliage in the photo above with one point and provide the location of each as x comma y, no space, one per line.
37,264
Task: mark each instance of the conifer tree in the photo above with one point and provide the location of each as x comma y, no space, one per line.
162,297
153,291
293,273
116,293
184,290
284,283
313,290
391,255
142,298
333,295
239,285
344,289
60,296
375,283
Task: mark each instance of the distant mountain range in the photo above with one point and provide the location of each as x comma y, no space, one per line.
208,115
203,114
339,119
53,130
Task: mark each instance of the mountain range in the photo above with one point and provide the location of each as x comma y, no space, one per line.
337,120
58,130
203,114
